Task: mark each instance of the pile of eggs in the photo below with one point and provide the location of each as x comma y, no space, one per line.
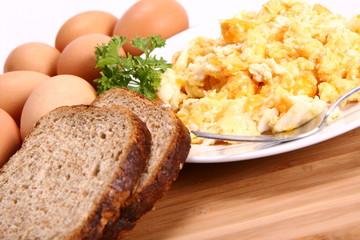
38,77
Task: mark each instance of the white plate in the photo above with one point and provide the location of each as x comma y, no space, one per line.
247,151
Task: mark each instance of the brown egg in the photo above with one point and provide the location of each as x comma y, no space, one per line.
15,88
78,58
82,24
33,56
54,92
10,140
151,17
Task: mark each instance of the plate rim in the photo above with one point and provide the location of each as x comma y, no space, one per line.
277,149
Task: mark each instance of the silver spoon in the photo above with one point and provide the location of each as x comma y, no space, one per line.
307,129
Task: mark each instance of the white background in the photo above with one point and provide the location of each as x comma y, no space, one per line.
23,21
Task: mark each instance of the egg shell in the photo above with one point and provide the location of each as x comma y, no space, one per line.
15,88
78,57
151,17
33,56
10,140
85,23
61,90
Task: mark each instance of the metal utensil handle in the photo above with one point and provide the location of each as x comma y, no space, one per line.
337,102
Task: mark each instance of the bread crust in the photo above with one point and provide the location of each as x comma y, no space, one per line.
125,178
122,185
143,200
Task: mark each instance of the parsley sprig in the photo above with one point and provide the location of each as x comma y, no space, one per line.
141,74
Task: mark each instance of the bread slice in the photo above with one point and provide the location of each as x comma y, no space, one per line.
73,173
169,150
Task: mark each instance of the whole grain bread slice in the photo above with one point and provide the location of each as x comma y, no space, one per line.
73,173
169,150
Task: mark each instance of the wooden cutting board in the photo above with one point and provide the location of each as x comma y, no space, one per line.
311,193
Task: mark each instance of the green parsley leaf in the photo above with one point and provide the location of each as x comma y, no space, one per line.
141,74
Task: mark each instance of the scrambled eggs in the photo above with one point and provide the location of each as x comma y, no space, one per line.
270,70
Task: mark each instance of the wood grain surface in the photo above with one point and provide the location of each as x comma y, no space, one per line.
311,193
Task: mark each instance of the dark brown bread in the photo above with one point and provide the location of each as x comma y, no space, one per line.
170,148
73,173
